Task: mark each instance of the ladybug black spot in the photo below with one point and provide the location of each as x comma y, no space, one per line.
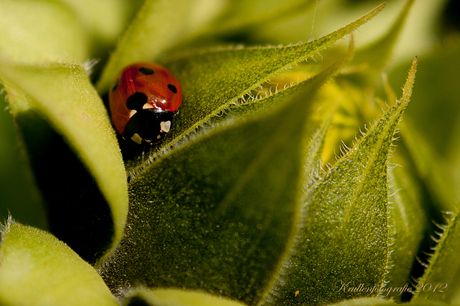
115,86
145,70
136,101
172,88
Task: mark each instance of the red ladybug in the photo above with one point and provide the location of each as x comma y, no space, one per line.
142,102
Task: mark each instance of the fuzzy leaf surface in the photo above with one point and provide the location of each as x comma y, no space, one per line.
212,80
408,218
408,225
220,209
342,241
38,269
313,158
441,280
67,104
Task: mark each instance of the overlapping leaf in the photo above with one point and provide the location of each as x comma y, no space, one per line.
342,242
218,212
408,226
213,79
408,218
440,281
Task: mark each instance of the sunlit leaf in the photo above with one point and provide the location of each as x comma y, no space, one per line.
38,269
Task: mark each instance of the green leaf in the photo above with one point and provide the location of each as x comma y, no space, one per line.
158,26
212,80
177,297
218,213
41,31
18,193
60,99
408,225
162,24
342,241
441,279
38,269
313,159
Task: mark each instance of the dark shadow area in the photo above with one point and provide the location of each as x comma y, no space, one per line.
77,212
137,301
450,19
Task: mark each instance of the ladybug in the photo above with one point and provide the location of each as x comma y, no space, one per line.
143,100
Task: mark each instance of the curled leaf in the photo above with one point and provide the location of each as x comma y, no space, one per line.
57,106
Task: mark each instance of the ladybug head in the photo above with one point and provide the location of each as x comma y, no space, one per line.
148,126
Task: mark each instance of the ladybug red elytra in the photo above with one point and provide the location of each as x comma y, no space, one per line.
143,99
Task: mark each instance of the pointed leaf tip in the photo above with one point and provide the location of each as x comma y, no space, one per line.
350,201
407,89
